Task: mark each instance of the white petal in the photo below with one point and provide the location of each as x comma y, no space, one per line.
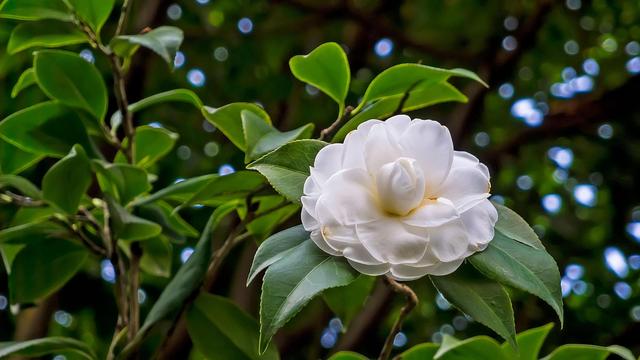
445,268
389,240
328,162
430,143
410,272
465,185
340,237
371,270
353,154
309,222
448,242
359,254
347,199
400,186
397,125
432,213
316,237
480,221
380,148
311,184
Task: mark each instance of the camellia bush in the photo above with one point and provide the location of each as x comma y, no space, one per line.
378,195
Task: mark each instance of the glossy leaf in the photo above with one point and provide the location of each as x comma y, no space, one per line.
286,292
180,191
46,346
588,352
21,184
262,138
26,79
484,300
220,330
273,211
34,10
68,78
173,226
68,180
287,167
49,33
188,277
529,343
95,13
511,225
128,227
420,97
326,68
152,144
276,248
122,181
14,160
47,128
43,266
228,187
349,355
228,119
164,41
478,347
521,266
420,352
157,255
347,301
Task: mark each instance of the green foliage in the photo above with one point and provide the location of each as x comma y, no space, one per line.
21,184
34,10
151,145
94,13
326,68
287,167
27,78
228,119
124,182
347,301
68,180
45,346
219,329
70,79
164,41
43,34
128,227
285,292
347,355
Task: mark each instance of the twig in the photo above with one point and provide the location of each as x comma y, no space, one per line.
134,283
118,267
20,200
412,301
124,13
326,133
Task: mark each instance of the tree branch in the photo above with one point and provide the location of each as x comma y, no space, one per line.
412,301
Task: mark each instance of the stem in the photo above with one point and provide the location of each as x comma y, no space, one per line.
118,267
20,200
134,283
325,133
122,21
412,301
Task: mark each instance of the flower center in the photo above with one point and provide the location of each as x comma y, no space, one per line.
400,185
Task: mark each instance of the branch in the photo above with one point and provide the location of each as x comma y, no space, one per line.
134,284
122,21
326,133
20,200
412,301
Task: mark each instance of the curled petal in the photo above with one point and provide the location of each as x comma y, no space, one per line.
347,199
397,125
318,239
479,222
465,187
432,213
371,270
388,240
448,242
380,148
354,143
328,162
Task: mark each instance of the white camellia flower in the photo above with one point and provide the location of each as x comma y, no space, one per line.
396,199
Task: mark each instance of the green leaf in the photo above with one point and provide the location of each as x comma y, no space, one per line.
128,227
287,167
529,343
47,128
26,79
152,144
511,225
45,346
34,10
326,68
220,330
347,301
188,277
286,292
43,266
484,300
273,211
157,255
164,41
14,160
400,79
588,352
420,97
68,78
228,119
180,191
23,233
48,33
424,351
94,12
176,95
173,226
349,355
477,348
224,188
515,264
68,180
23,185
122,181
276,248
262,138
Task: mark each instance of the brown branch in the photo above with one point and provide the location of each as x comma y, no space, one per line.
20,200
328,132
412,301
124,13
134,284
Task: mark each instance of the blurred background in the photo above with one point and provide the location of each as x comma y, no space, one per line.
559,128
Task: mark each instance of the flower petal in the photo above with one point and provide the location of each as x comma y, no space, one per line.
449,242
432,213
465,187
397,125
318,239
347,199
430,143
380,148
371,270
389,240
480,221
354,143
328,162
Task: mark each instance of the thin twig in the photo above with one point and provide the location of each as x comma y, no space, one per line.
124,13
20,200
412,301
118,267
134,283
326,133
